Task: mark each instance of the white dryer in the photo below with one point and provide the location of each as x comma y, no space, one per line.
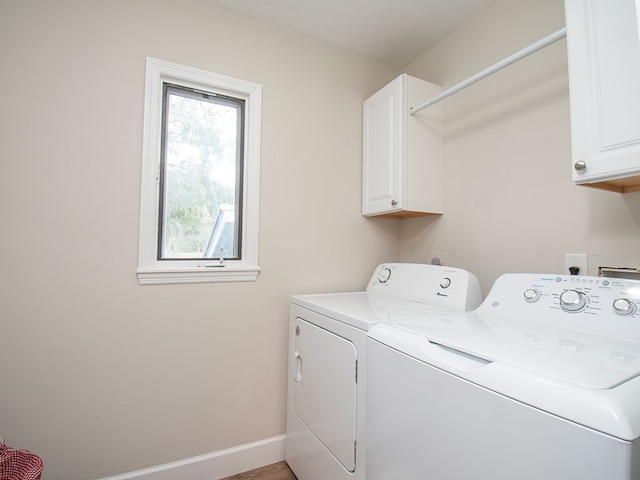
542,381
327,360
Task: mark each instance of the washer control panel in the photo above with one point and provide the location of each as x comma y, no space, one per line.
599,305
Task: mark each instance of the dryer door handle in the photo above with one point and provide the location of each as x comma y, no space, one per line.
297,367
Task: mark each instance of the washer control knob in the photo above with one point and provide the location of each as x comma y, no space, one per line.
384,275
446,282
531,295
573,301
624,306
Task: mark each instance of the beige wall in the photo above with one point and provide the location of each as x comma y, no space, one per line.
99,375
510,205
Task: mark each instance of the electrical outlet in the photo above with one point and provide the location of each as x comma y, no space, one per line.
579,260
443,258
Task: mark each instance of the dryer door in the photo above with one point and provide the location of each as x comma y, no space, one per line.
324,388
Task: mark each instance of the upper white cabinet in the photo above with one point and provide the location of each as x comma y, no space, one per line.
604,75
402,153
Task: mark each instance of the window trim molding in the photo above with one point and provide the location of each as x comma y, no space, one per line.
152,271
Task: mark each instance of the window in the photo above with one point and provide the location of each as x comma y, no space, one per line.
200,174
200,177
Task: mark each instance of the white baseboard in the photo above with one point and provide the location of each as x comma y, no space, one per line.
215,465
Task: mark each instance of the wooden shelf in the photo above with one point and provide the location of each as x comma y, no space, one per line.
623,185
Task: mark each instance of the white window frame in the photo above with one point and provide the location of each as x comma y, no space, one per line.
151,270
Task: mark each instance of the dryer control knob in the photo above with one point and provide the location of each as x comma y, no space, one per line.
623,306
384,275
531,295
573,301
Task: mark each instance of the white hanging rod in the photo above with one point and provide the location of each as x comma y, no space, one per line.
539,45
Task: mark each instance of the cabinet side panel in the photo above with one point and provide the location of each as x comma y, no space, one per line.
424,175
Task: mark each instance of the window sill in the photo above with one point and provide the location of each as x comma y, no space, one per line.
166,276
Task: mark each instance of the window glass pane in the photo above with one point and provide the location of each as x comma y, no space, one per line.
201,175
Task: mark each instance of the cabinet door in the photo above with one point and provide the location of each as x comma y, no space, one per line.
604,67
383,149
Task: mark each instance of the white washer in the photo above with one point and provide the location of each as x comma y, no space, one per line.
542,381
326,401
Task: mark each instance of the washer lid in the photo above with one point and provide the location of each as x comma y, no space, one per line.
363,309
585,360
590,380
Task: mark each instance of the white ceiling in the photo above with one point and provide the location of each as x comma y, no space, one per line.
392,31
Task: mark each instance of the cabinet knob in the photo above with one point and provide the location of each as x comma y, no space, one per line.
580,165
394,203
